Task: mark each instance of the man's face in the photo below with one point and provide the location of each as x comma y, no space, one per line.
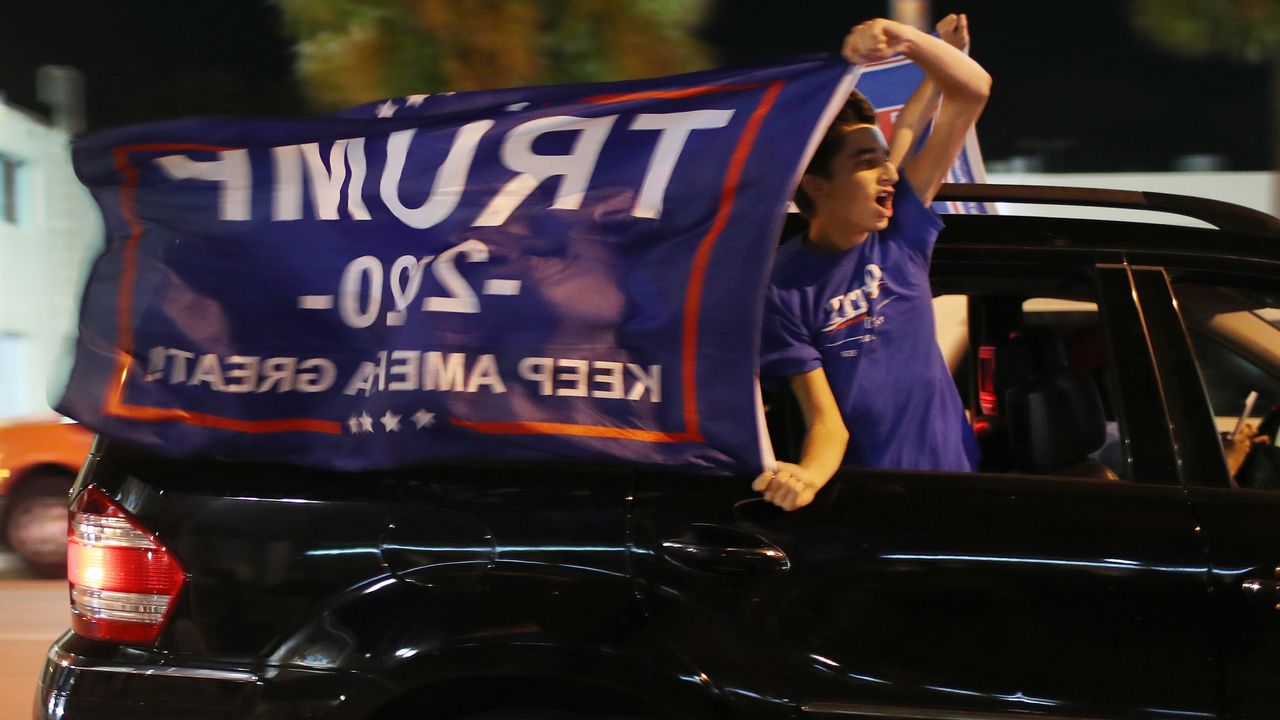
858,194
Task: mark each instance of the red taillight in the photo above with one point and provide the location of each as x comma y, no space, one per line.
987,399
123,581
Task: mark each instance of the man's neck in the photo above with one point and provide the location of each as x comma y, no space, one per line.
823,237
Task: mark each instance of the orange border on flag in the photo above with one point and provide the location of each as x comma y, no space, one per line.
115,405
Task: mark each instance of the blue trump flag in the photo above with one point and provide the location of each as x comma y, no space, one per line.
541,273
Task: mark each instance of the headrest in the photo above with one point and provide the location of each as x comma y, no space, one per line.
1055,421
1083,404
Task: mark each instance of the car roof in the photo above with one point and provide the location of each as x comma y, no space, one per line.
1240,238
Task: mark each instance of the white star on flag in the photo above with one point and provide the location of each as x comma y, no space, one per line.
422,419
414,100
366,422
354,424
387,109
390,421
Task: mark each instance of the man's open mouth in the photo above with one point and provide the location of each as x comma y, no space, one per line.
885,199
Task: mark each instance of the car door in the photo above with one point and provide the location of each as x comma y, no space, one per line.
1240,517
945,595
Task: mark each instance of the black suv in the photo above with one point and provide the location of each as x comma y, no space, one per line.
1103,564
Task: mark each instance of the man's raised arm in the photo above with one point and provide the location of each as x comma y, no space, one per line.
923,103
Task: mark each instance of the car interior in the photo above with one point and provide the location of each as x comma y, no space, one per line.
1035,375
1039,408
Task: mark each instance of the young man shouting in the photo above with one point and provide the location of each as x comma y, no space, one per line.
849,313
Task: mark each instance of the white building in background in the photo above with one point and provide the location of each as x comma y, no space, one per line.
50,229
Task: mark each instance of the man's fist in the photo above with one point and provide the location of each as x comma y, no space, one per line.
790,487
954,28
875,40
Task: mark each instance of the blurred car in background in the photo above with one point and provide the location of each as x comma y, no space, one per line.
39,460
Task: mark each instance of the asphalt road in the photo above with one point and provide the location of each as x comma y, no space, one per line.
33,613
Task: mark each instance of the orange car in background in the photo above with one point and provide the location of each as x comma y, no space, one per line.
39,460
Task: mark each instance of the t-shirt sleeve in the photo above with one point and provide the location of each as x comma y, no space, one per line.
914,224
785,346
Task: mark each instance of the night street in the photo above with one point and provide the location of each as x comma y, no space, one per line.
35,614
640,360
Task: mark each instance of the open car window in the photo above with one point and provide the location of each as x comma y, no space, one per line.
1235,334
1040,386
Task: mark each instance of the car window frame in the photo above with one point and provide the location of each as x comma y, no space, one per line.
1191,425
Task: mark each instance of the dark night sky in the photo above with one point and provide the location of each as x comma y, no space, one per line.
1071,79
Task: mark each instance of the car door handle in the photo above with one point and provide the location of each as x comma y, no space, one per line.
718,549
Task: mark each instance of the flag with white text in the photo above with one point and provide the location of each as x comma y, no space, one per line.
570,271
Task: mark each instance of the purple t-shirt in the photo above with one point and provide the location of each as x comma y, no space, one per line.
866,317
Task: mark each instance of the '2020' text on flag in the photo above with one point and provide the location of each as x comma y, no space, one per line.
566,271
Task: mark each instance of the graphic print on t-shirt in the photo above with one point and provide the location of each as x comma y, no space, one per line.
861,305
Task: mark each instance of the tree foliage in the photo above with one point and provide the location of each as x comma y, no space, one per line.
353,51
1242,29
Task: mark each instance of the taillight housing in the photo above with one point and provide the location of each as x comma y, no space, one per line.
124,582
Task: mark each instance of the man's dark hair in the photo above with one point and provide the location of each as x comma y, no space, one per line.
856,111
